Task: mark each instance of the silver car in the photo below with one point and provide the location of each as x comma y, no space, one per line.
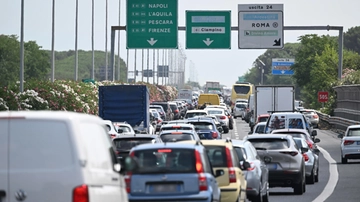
350,143
239,110
257,174
311,161
312,117
286,164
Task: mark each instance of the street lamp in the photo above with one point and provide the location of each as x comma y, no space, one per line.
262,71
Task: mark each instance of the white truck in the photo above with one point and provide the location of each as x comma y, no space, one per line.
212,86
272,99
185,94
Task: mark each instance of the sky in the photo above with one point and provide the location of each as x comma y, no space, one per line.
210,65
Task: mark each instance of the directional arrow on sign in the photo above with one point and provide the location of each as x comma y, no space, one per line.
283,72
152,41
208,41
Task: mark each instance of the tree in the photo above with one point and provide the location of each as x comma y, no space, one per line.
9,59
352,39
37,65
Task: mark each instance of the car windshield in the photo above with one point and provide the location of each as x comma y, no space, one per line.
176,128
354,132
242,106
156,115
217,156
128,143
242,89
214,112
165,160
176,137
173,107
203,125
270,143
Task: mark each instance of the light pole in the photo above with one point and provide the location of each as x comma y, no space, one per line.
262,71
22,48
53,43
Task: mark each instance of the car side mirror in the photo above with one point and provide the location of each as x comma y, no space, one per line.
340,136
220,129
250,132
314,133
317,140
219,173
120,130
304,150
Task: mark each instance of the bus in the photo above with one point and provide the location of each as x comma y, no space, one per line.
241,91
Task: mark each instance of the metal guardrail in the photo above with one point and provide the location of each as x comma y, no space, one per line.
337,122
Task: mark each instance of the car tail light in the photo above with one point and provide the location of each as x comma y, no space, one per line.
81,194
200,170
176,111
306,157
232,174
222,117
127,177
348,142
292,153
117,152
161,113
315,116
252,166
112,136
159,121
311,144
214,135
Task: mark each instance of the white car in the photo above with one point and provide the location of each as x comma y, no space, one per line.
193,113
112,130
239,110
258,128
350,143
220,114
125,128
57,156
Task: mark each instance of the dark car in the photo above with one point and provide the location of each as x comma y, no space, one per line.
124,143
205,128
175,110
178,135
166,106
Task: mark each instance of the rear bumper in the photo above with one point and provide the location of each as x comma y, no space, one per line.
350,152
285,178
231,192
204,196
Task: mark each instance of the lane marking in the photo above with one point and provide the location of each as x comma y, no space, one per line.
333,177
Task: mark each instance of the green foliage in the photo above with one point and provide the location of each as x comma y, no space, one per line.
65,64
66,95
191,84
352,39
36,61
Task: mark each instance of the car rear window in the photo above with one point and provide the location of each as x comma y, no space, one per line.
263,119
173,106
165,160
203,126
190,115
353,132
260,129
241,153
241,106
125,128
176,137
270,144
213,112
177,128
129,143
217,156
164,105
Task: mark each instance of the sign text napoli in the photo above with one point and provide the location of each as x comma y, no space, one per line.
152,24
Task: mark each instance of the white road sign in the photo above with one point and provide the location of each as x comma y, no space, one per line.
261,26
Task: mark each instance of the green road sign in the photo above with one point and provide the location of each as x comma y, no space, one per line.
152,24
208,29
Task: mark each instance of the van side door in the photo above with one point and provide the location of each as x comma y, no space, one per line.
4,159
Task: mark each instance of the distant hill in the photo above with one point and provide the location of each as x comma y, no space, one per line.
65,65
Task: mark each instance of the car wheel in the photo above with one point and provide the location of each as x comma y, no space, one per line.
299,188
311,178
226,130
231,126
258,198
266,196
344,160
317,175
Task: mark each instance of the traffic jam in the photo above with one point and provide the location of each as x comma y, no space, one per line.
181,154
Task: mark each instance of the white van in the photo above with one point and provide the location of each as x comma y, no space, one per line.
285,120
57,156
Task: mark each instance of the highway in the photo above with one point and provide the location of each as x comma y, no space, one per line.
337,182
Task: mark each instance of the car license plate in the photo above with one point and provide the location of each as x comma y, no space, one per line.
271,166
165,188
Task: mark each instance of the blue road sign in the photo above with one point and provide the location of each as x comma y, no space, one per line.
281,66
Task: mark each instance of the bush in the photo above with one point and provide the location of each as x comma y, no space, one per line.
67,95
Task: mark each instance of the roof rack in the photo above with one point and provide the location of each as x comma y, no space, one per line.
281,111
228,139
198,142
